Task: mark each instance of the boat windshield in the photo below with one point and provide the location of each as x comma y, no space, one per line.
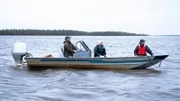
80,47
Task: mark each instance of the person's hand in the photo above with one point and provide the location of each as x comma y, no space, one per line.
102,56
75,51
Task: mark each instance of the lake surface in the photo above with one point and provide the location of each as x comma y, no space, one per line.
155,84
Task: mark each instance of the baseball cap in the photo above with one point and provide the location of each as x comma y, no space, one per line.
142,40
67,37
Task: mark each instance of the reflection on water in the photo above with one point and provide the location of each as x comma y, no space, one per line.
155,83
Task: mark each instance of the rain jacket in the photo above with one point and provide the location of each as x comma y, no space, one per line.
69,49
99,51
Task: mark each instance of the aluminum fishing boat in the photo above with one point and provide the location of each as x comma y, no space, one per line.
83,60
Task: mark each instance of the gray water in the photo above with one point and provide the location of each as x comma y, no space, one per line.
155,84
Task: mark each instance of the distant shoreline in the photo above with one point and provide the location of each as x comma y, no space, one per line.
36,32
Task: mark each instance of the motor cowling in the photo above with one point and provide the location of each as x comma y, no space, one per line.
19,52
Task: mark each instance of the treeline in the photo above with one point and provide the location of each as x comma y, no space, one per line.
64,32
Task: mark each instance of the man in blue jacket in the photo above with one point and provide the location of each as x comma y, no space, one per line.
99,50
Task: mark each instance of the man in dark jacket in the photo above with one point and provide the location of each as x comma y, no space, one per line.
69,48
99,50
142,49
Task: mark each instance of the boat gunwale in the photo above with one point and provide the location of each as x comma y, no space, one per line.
97,57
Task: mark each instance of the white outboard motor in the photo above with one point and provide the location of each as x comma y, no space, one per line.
19,52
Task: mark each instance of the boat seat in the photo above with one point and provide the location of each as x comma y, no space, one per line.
62,50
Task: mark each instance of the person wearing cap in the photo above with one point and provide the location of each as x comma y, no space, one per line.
69,48
99,50
142,49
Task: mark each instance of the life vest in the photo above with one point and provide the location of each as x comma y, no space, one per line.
141,50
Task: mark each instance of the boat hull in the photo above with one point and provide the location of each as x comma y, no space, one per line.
95,63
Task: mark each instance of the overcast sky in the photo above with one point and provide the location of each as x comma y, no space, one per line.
140,16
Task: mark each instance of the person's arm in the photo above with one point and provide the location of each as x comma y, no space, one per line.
136,51
104,52
67,47
149,51
74,47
